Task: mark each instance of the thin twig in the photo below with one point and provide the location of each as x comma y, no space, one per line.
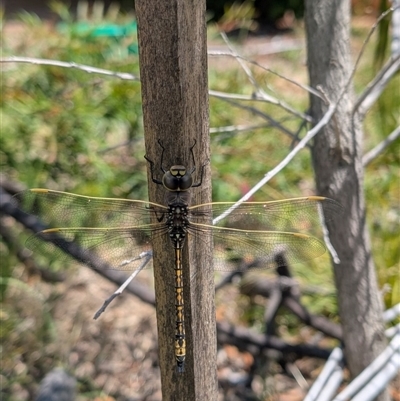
71,64
373,153
147,257
377,86
310,134
327,240
302,86
246,70
278,45
396,28
237,128
272,121
297,375
259,93
366,41
259,97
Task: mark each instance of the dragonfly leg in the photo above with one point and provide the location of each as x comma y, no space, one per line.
194,166
152,171
194,161
162,156
161,164
201,175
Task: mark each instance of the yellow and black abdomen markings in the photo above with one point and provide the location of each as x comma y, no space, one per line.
180,342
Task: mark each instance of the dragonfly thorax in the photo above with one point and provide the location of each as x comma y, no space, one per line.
177,223
177,198
177,179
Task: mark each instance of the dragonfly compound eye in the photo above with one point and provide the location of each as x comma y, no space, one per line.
177,179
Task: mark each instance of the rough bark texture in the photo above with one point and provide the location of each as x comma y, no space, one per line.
337,158
173,66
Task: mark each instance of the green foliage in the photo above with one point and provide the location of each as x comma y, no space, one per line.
381,180
61,128
383,42
60,125
382,189
234,172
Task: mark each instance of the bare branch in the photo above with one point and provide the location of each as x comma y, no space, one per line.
302,86
259,93
279,44
71,64
368,157
366,41
147,257
396,28
377,86
237,96
247,340
273,122
327,240
224,132
310,134
237,128
247,70
260,96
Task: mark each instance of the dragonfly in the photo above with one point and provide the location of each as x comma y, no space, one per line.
116,231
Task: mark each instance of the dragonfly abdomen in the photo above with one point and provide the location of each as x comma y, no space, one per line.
177,223
180,341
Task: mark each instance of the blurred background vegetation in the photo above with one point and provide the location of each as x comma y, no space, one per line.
65,129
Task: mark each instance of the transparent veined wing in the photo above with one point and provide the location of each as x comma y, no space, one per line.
99,248
260,231
260,247
118,230
288,215
63,209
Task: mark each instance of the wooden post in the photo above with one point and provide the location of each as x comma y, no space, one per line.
173,67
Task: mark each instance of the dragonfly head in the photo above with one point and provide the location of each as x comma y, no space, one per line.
177,179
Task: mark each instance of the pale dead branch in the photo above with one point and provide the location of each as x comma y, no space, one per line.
70,64
373,153
377,86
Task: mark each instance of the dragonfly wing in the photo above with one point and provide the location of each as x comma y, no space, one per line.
63,209
99,248
297,214
260,247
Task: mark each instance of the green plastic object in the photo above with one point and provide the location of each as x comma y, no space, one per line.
103,30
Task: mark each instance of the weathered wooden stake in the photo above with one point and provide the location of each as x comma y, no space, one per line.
173,67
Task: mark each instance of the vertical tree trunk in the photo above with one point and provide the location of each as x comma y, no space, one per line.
173,67
337,154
